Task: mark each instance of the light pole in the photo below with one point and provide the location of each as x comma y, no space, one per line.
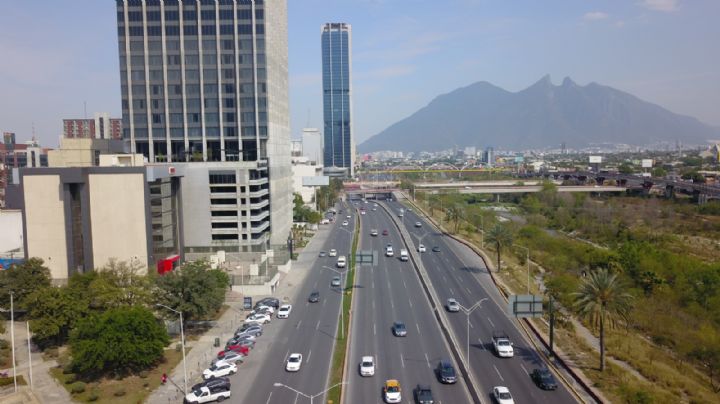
12,337
467,313
311,397
527,259
342,299
182,343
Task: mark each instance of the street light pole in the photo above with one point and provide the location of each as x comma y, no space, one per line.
182,343
12,337
467,313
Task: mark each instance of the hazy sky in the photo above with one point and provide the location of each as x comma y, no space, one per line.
54,55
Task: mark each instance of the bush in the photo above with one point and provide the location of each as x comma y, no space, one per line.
70,378
77,388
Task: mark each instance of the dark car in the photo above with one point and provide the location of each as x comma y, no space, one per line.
385,232
322,253
314,297
436,249
214,383
544,379
423,395
268,301
446,372
399,329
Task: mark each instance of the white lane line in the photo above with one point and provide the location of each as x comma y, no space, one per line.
410,301
491,323
523,368
316,282
468,290
392,304
317,326
324,301
298,324
444,279
268,400
471,326
452,292
373,305
427,360
402,360
286,355
498,372
296,397
309,355
374,329
418,328
482,345
404,284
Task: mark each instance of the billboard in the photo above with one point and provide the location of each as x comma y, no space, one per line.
595,159
316,181
647,163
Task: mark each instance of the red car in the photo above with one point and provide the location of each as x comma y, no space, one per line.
385,232
237,348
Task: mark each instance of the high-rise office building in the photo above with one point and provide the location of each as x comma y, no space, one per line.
339,145
204,83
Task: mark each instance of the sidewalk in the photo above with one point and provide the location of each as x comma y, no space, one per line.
201,352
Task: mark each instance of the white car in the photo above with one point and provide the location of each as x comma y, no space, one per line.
373,232
332,253
325,221
421,248
362,212
452,305
341,261
294,362
367,366
389,251
205,395
345,222
502,395
220,369
284,311
259,318
418,224
348,216
263,309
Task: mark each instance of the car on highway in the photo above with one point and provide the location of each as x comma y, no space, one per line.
421,248
436,248
418,224
206,395
335,281
230,357
219,369
341,261
503,346
373,232
374,209
322,254
294,362
423,394
259,318
284,311
268,301
392,393
333,253
399,329
348,216
446,372
314,297
502,395
385,232
404,255
544,379
452,305
214,383
345,223
367,366
389,251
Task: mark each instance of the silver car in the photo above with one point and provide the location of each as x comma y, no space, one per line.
452,305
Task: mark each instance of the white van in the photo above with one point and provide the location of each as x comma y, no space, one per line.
403,255
341,262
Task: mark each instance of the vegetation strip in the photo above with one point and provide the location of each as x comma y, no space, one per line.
340,352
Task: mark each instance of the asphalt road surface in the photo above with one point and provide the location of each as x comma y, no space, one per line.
457,272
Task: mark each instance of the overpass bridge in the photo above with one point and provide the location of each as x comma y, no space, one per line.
523,189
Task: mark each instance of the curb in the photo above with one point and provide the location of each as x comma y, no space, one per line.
348,335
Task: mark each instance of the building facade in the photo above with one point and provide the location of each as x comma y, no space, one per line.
205,82
13,155
339,145
312,144
100,127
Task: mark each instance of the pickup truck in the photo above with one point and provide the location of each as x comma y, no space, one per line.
423,395
205,395
503,346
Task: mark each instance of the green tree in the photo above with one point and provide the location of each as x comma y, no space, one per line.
117,284
124,339
193,289
626,168
453,214
501,236
22,280
53,312
659,172
602,300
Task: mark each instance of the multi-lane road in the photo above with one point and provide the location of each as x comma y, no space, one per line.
385,292
457,272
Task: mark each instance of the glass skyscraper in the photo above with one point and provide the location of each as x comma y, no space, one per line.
339,145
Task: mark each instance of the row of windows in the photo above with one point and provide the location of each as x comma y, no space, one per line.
142,131
192,45
174,15
192,30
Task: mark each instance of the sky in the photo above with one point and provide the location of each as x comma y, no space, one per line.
58,56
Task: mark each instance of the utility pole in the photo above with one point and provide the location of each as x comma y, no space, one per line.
12,337
27,323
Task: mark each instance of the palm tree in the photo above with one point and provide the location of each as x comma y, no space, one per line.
602,299
502,237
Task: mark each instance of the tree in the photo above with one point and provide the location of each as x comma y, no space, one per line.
119,340
659,172
453,214
22,280
602,299
53,312
193,289
501,236
626,168
117,284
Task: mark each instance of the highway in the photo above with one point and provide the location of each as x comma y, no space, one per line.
457,272
310,330
386,292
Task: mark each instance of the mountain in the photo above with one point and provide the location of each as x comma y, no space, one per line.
541,115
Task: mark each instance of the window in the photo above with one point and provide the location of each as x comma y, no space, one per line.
228,44
172,30
173,60
259,14
210,74
228,73
192,60
228,59
137,75
193,117
192,74
223,179
211,103
172,15
155,46
172,45
190,30
191,45
229,117
210,60
176,104
139,103
136,31
224,225
209,44
210,89
211,118
208,15
189,15
245,14
156,90
226,14
155,60
193,103
176,118
157,119
244,29
229,88
173,75
229,103
226,30
208,30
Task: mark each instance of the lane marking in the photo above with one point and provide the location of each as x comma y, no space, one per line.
307,304
427,360
374,329
482,345
402,360
324,301
298,324
296,397
309,355
317,326
452,292
444,279
418,327
392,304
471,326
410,301
523,368
286,355
491,323
498,372
468,290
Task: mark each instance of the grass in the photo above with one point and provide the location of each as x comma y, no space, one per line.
338,358
127,390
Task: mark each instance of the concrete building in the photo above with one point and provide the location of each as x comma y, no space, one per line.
79,218
339,145
100,127
312,143
13,155
83,152
205,83
304,167
296,148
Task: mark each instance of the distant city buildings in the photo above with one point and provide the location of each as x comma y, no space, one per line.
14,155
339,142
312,144
100,127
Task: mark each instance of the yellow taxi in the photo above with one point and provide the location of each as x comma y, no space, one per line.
391,391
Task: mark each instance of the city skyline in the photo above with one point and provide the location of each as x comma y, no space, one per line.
664,58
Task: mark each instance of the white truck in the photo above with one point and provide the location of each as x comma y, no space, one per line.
403,255
503,346
206,395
